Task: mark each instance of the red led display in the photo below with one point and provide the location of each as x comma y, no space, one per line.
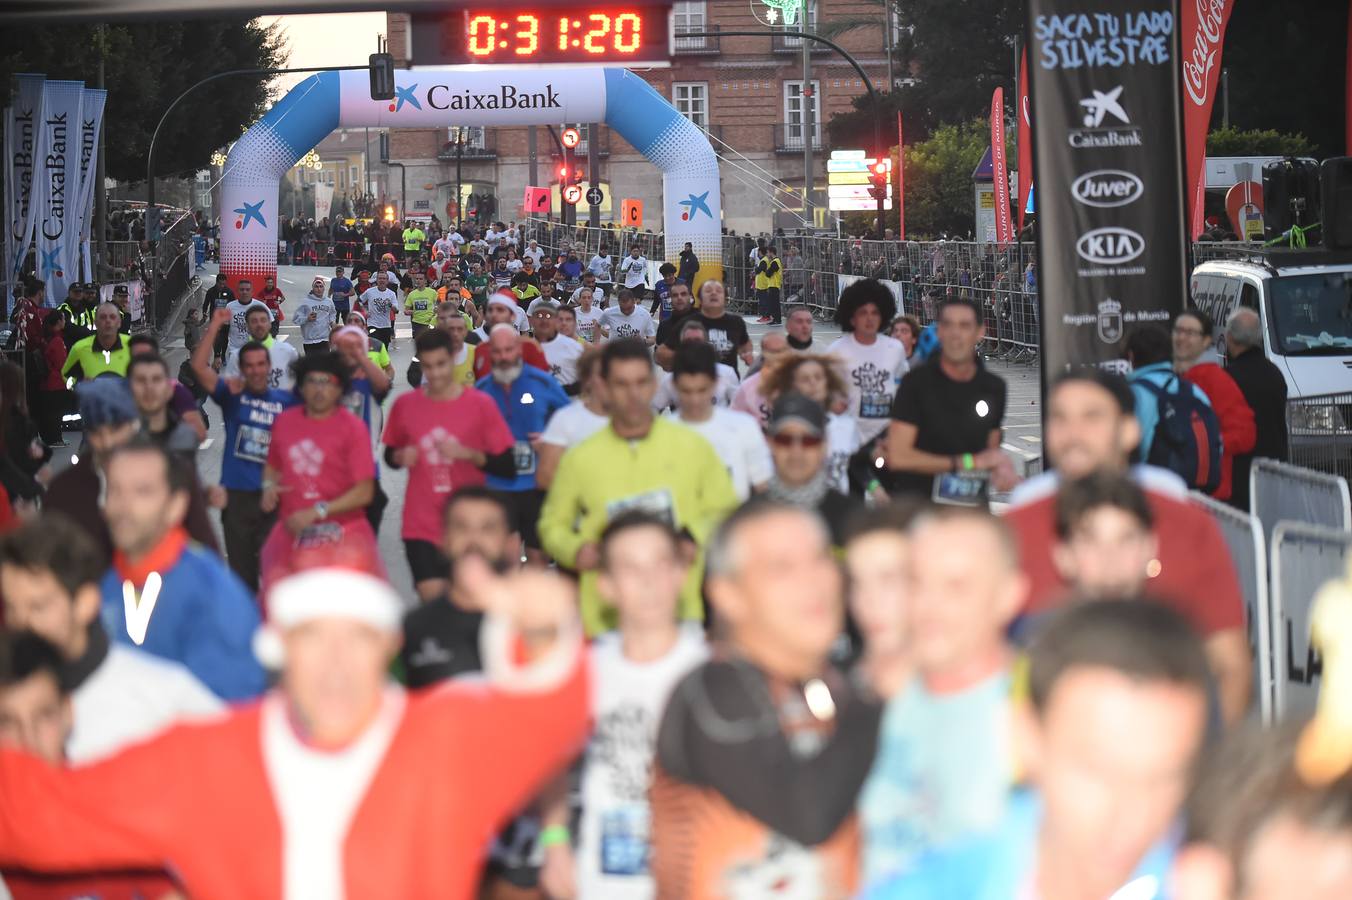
513,34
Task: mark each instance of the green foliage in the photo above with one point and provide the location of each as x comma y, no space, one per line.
939,178
1233,142
147,66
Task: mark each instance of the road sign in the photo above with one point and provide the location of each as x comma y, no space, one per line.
537,200
572,194
631,212
850,175
570,138
595,195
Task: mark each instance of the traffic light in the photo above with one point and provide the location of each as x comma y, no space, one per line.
563,174
879,173
382,76
389,214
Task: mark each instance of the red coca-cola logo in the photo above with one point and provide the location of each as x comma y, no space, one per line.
1206,44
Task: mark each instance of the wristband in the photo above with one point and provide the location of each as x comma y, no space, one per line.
872,486
968,463
554,836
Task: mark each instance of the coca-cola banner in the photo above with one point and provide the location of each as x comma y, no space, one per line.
1004,227
1107,153
1025,138
1202,31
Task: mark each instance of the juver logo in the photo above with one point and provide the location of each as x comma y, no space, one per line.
1107,188
1110,246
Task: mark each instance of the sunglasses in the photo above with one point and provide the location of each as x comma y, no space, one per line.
809,441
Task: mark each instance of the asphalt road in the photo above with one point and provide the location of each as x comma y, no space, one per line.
1022,421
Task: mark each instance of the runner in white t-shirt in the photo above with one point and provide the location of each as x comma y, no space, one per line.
281,354
872,363
634,270
380,300
562,353
634,671
628,320
736,437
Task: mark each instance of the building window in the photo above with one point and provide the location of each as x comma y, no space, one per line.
352,177
810,25
689,15
691,99
473,135
793,114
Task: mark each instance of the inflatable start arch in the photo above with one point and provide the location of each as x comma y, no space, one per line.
468,96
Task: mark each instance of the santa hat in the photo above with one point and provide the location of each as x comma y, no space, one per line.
325,593
359,314
501,299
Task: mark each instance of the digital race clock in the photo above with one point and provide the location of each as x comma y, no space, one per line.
513,34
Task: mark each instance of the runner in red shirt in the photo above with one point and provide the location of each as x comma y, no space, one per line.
448,436
320,473
1091,426
273,298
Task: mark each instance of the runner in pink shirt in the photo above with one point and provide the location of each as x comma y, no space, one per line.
448,436
320,475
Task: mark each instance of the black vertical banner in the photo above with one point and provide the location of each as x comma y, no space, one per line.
1108,158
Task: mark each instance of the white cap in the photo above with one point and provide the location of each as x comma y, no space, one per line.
329,593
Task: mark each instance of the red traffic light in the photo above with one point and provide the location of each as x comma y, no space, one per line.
879,169
563,173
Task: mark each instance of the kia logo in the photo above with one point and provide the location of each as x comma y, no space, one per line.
1110,246
1107,187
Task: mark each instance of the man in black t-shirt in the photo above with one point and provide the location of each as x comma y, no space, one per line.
441,637
727,332
682,305
944,440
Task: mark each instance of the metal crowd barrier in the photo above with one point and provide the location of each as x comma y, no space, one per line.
1303,558
1319,433
1244,536
1280,492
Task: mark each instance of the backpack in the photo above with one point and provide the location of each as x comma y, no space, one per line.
1187,438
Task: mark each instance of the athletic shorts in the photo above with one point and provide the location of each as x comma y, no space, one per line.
524,514
426,561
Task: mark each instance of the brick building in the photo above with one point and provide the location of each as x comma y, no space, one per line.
745,91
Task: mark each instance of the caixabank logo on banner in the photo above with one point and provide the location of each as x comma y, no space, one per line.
1108,165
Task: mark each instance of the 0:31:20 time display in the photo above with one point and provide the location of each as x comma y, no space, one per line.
594,34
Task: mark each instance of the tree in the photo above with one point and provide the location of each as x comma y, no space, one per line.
957,53
939,178
1233,142
147,65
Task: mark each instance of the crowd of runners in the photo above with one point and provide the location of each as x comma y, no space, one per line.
691,617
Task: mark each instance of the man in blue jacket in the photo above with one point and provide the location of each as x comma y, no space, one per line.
1110,733
165,594
527,398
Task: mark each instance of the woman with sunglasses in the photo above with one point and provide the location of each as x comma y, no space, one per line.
798,445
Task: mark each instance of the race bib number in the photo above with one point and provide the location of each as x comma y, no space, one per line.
624,841
657,503
962,488
420,306
523,457
875,406
321,534
252,443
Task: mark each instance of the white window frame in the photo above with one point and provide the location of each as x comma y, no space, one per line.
689,15
474,135
685,105
811,24
793,100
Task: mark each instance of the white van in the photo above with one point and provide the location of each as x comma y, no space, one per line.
1304,298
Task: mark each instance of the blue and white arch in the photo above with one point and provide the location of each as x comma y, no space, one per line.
494,96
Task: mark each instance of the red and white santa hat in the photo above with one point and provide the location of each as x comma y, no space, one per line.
325,593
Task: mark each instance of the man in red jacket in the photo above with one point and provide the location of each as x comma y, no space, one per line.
1195,359
1091,426
338,784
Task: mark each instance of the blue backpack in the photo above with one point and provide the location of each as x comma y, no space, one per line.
1187,438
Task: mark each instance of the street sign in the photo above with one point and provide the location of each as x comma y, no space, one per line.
572,194
631,212
570,138
537,200
849,177
595,195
